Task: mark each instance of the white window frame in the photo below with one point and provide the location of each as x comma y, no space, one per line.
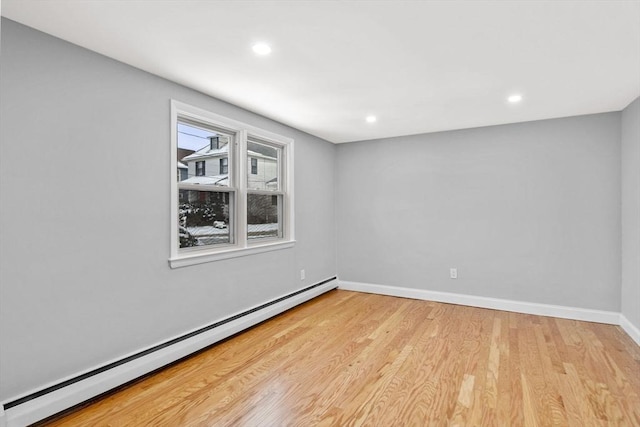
279,191
238,167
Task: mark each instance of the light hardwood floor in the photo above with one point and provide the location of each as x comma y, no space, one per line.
350,359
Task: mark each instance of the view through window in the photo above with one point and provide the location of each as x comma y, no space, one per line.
204,212
231,190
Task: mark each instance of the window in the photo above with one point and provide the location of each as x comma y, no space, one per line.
247,207
264,196
200,168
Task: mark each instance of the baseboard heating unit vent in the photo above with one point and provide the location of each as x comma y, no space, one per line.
50,400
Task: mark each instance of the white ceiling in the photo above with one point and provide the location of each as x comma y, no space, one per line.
419,66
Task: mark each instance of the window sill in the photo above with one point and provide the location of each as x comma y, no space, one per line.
201,258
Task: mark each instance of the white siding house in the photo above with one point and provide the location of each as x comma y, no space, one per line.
262,171
210,166
211,161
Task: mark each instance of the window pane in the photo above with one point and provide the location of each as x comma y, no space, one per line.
263,166
224,165
264,217
203,155
200,168
203,218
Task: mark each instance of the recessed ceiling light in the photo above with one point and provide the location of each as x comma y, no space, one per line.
515,98
371,119
261,49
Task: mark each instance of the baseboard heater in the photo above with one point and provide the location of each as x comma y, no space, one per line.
69,392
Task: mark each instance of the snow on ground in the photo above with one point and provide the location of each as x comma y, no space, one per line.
212,236
212,231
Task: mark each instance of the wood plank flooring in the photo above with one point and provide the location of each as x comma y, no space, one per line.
354,359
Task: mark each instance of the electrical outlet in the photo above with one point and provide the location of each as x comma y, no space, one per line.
453,272
302,274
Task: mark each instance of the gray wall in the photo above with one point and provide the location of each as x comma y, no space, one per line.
527,212
84,165
631,213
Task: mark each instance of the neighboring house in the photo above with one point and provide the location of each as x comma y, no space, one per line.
210,166
262,171
183,169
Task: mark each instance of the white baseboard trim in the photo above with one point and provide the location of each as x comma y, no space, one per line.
564,312
630,329
63,398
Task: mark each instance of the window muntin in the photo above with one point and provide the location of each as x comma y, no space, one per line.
251,215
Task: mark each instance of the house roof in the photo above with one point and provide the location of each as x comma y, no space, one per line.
220,180
183,152
207,152
260,155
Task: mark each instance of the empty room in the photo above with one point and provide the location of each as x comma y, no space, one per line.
319,213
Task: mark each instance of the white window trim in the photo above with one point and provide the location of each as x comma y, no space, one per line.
241,247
